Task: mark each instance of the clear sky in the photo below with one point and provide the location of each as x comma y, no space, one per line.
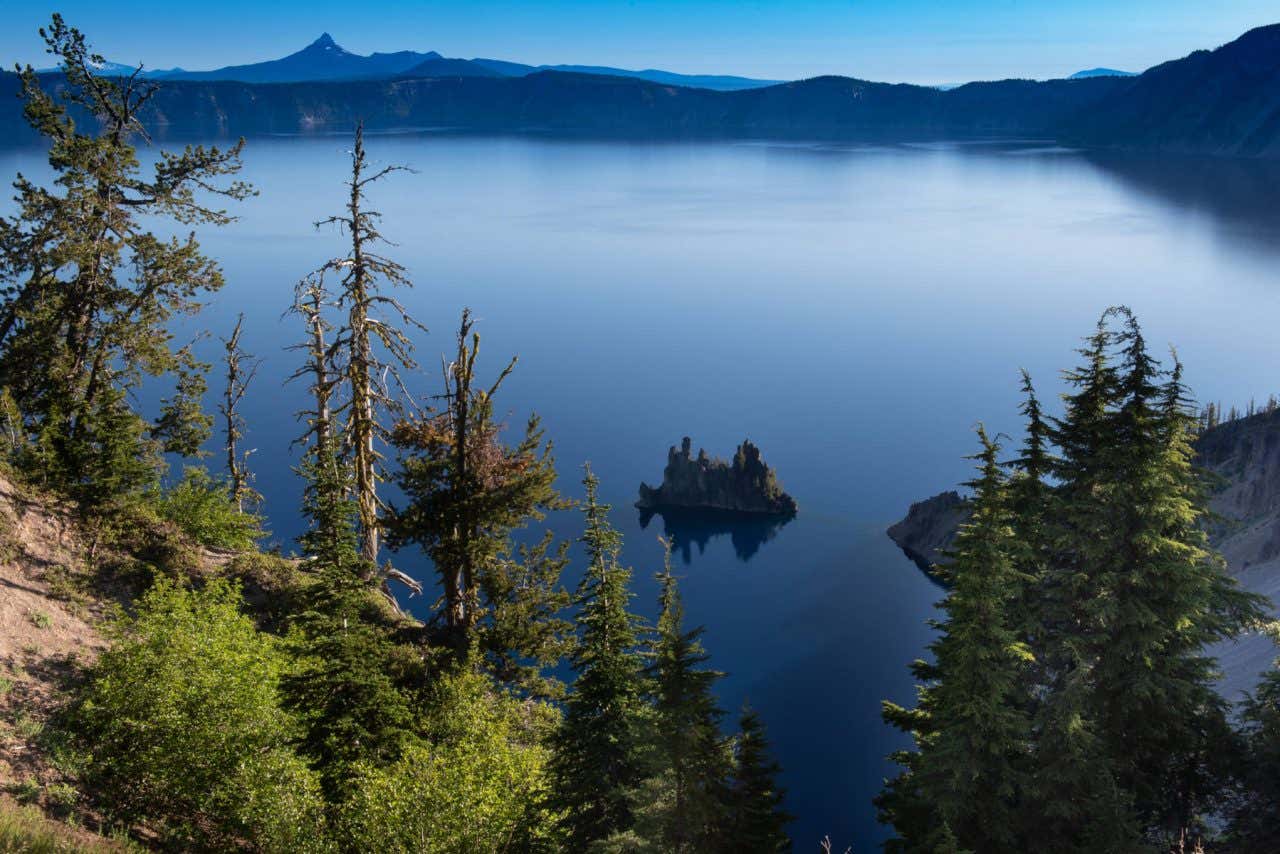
920,41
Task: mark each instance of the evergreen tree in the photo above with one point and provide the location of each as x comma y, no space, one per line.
1130,720
1253,824
87,290
1076,804
466,492
599,747
966,775
350,707
1169,597
183,426
757,820
690,748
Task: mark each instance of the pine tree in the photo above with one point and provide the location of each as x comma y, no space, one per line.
757,820
972,734
1076,804
1130,718
1167,597
1253,824
690,748
350,707
599,747
466,492
183,426
88,290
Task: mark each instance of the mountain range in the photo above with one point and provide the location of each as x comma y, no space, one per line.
1222,102
325,59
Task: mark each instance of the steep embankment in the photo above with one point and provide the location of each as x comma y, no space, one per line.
61,574
1243,457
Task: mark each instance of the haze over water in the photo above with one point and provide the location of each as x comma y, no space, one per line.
853,310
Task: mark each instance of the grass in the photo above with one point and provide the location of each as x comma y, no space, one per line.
41,619
26,726
26,829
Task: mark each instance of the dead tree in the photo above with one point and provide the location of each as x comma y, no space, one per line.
369,348
241,369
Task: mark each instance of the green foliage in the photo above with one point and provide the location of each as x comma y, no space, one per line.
183,426
1071,704
1253,825
182,725
202,507
1134,598
88,291
971,726
479,782
756,819
599,750
466,492
690,752
350,707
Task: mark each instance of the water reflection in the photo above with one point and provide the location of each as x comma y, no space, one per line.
685,529
1237,195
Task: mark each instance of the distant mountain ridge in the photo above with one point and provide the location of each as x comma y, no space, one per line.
1223,102
325,59
1220,102
1101,72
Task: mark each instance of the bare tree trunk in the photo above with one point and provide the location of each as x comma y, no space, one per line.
238,379
362,416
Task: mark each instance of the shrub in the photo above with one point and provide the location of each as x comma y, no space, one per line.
480,784
183,729
202,507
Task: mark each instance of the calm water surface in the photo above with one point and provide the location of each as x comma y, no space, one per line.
853,310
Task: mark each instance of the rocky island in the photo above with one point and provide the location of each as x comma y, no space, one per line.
745,485
930,527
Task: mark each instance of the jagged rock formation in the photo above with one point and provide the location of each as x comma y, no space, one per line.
746,485
930,527
1243,459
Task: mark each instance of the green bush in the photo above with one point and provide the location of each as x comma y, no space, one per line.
479,784
183,729
202,507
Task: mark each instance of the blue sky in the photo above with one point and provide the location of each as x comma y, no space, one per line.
922,41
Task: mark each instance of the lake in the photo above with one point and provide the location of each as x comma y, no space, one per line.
854,310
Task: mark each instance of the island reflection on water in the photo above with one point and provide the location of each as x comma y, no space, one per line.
685,528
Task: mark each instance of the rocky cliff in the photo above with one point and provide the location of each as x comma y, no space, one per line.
1242,458
745,485
930,527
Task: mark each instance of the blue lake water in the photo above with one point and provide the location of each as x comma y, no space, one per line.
853,310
